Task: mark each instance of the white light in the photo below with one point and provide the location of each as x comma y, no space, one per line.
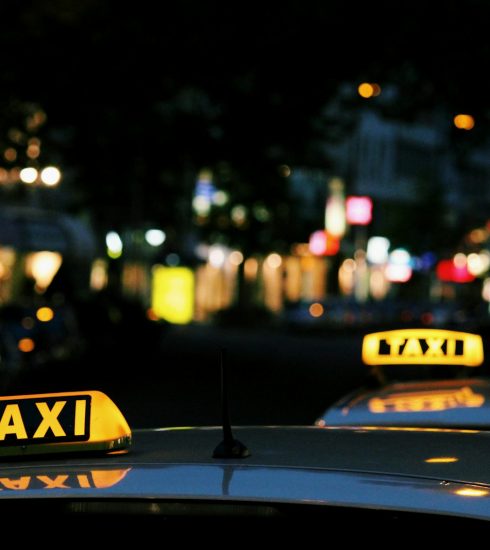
400,256
28,175
274,260
398,273
202,205
239,214
377,250
459,260
50,176
114,243
220,198
477,264
155,237
216,255
335,221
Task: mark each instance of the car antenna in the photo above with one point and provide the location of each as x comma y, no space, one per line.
229,447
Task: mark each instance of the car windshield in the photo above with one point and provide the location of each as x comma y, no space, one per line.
208,184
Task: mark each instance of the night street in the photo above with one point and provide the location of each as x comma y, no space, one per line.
275,377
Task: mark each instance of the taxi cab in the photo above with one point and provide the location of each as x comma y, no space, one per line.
69,461
419,377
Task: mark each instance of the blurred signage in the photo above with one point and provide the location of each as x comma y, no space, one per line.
172,296
422,347
358,210
448,271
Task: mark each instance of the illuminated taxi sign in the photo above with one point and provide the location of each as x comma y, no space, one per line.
426,401
61,422
422,347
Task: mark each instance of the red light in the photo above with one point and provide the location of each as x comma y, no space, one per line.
323,244
446,271
359,210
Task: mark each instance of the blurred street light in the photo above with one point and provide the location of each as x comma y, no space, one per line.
50,176
464,122
369,89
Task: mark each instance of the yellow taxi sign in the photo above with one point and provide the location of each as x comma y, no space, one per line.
422,347
61,422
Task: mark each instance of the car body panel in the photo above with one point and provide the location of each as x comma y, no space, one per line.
460,403
371,468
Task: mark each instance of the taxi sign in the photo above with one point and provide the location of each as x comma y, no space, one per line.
422,347
61,422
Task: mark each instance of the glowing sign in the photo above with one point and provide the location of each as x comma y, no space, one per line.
173,294
61,422
358,210
422,347
448,271
426,401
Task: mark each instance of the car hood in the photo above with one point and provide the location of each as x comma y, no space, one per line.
423,470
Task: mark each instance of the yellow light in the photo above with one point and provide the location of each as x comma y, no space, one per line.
478,235
418,429
464,122
470,492
441,460
316,310
250,269
408,402
45,314
72,421
45,480
274,260
108,478
33,151
173,294
236,257
26,345
98,275
366,90
10,154
349,265
405,348
43,266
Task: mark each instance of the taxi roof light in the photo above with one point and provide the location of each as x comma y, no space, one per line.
69,422
422,347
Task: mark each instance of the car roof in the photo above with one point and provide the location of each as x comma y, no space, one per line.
415,470
459,403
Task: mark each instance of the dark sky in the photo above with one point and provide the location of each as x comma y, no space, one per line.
130,89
